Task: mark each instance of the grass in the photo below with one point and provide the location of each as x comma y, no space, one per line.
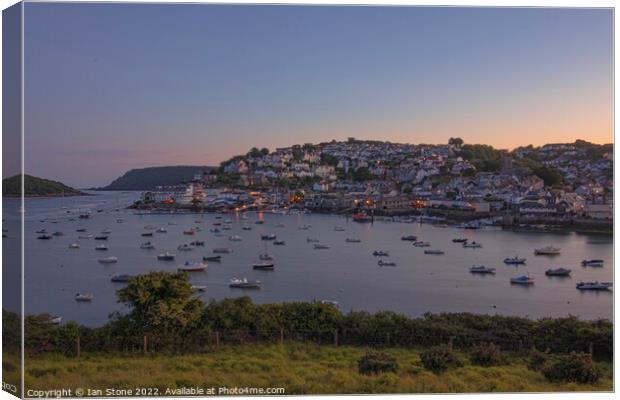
300,368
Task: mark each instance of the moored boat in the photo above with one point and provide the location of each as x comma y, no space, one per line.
380,253
419,243
120,277
459,240
269,236
361,217
102,247
522,280
481,269
44,237
167,256
147,246
353,240
558,272
592,263
472,245
547,251
101,237
279,242
74,246
383,263
84,296
319,246
339,229
222,250
435,252
108,260
161,230
514,260
263,265
235,238
192,266
244,283
212,258
410,238
185,247
596,285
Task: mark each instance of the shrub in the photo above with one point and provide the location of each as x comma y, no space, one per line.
573,367
537,359
440,358
486,355
376,362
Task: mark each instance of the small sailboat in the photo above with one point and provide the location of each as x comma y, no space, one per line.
74,246
558,272
522,280
147,246
319,246
383,263
192,266
516,260
410,238
353,240
198,243
244,283
44,237
199,288
85,236
312,240
222,250
120,278
472,245
269,236
592,263
435,252
459,240
161,230
185,247
420,243
84,296
108,260
101,237
212,258
147,234
279,242
235,238
189,231
481,269
547,251
380,253
596,285
167,256
101,247
263,265
339,228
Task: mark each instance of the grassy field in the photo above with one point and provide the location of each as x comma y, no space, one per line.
298,367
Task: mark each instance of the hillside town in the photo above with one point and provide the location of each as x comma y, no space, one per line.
455,180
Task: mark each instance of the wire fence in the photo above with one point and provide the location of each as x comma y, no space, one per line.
209,341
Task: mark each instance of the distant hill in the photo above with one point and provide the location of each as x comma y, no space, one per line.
34,187
150,178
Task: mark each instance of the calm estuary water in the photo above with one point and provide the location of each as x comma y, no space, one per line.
346,272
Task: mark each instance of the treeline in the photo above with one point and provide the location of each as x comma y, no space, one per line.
164,309
33,186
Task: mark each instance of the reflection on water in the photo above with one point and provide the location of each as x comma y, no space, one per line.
346,272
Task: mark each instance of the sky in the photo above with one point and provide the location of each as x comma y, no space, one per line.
111,87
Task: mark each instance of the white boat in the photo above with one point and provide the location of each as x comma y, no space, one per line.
514,260
318,246
330,302
481,269
147,246
339,229
596,285
304,227
192,266
243,283
235,238
108,260
85,236
420,243
353,240
199,288
547,251
101,247
84,297
472,245
265,257
382,263
167,256
55,320
522,280
558,272
435,252
592,263
161,230
185,247
74,246
263,265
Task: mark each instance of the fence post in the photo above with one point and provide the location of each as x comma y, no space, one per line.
145,344
336,337
281,335
217,340
77,346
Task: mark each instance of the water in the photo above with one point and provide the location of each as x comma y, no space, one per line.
346,273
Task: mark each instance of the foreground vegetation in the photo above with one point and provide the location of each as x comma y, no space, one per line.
300,368
170,338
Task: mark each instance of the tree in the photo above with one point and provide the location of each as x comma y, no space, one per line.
550,175
254,152
456,142
362,174
162,302
264,151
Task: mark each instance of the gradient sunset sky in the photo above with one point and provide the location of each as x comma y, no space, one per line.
111,87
